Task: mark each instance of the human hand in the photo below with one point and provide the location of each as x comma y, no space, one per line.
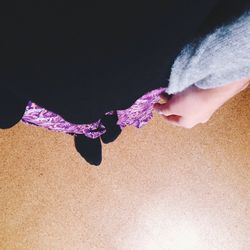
194,105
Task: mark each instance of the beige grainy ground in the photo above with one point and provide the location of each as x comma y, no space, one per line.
159,187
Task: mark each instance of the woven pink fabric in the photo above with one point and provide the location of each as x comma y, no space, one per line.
137,115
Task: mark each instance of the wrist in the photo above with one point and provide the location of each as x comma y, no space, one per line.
229,90
218,96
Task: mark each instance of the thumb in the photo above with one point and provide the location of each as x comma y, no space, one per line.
163,109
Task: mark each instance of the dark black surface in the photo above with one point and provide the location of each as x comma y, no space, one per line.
89,149
112,129
11,108
224,12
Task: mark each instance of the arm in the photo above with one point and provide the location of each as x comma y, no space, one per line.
220,58
207,73
195,105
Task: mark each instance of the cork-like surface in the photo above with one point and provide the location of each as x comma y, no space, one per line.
159,187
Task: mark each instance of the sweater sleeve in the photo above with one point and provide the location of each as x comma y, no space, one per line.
216,59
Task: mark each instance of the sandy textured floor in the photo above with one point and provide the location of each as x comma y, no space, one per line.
159,187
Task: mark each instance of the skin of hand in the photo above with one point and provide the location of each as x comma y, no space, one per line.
194,105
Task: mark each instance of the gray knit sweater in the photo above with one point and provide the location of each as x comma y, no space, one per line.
218,58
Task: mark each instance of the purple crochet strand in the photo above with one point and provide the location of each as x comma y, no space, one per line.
139,114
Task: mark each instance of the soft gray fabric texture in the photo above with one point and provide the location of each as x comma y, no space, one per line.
217,59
